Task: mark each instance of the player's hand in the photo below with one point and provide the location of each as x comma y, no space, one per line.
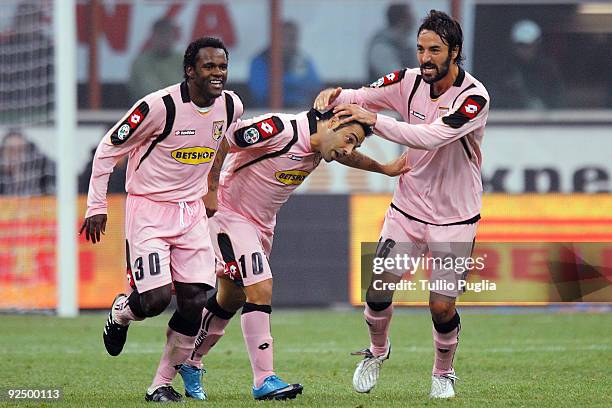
397,166
325,98
355,113
93,226
211,203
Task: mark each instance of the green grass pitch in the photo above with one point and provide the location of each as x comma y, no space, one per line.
504,360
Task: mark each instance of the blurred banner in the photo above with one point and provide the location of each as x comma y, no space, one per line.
526,242
244,26
28,250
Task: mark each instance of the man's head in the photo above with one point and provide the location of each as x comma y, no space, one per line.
526,39
205,66
15,147
163,36
399,17
336,141
439,43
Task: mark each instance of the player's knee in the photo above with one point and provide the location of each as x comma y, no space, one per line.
377,300
155,301
260,293
441,311
191,299
229,297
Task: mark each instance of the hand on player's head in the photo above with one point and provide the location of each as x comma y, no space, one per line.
326,97
354,113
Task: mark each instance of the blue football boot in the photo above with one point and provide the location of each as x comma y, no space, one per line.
275,388
192,377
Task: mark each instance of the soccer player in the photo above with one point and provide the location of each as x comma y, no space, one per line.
171,137
438,202
271,156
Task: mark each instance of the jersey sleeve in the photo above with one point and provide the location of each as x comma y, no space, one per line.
143,122
471,113
385,93
266,132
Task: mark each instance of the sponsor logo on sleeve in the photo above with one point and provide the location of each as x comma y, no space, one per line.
469,109
291,177
193,155
251,135
217,129
259,131
125,129
389,79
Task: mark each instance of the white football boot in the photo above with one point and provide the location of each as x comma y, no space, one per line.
367,371
443,386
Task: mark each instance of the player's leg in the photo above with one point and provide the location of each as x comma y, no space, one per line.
148,270
193,272
255,322
450,242
216,315
220,308
397,236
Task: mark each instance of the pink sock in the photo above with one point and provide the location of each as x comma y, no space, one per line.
123,313
378,326
178,349
258,340
213,328
445,345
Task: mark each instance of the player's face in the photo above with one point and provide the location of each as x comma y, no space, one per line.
340,142
210,72
434,56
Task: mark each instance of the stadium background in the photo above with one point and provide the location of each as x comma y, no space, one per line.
546,171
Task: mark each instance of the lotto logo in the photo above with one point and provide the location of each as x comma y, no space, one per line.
135,118
470,108
267,128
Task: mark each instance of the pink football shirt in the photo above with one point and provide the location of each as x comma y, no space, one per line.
445,133
171,146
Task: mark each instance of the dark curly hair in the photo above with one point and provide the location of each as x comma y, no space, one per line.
447,28
192,50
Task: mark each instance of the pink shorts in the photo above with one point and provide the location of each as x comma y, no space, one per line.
435,244
241,248
167,242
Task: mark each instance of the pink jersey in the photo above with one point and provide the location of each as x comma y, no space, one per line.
444,185
171,146
271,156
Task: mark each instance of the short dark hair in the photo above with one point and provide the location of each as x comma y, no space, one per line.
367,130
447,28
192,50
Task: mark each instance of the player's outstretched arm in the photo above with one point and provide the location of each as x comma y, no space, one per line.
425,136
360,161
211,202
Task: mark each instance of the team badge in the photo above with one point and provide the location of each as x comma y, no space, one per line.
218,129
